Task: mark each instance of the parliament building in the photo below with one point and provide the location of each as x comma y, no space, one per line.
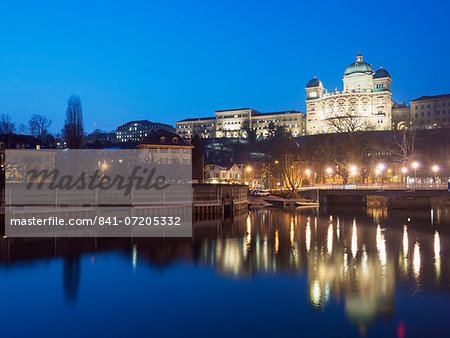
364,103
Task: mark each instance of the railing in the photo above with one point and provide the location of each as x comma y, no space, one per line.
381,186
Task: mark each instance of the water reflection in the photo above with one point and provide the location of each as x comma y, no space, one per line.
358,257
437,256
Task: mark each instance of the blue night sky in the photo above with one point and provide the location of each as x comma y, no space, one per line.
169,60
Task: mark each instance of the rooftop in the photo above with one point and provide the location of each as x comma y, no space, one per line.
234,109
145,122
197,119
281,112
164,137
432,97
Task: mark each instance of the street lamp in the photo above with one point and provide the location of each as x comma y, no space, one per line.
435,169
248,170
415,165
404,171
380,168
353,170
329,171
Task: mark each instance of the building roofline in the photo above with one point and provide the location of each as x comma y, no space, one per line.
197,119
432,97
222,110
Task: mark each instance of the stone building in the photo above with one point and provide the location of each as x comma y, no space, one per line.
365,99
234,123
429,112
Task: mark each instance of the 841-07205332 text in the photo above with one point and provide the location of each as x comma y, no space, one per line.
99,221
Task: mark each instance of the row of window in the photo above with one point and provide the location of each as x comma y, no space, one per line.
428,106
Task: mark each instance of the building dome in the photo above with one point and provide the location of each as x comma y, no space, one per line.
314,83
359,67
380,73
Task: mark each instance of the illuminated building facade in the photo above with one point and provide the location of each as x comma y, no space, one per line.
234,123
137,130
429,112
365,99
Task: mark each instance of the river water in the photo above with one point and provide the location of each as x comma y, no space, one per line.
306,272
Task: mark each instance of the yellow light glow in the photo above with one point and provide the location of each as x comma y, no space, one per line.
249,230
415,165
291,232
248,169
277,242
308,237
437,255
435,168
329,170
416,261
330,239
354,240
404,170
405,241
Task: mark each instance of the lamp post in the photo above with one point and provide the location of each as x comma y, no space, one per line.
435,169
248,170
404,170
415,165
329,172
308,173
353,170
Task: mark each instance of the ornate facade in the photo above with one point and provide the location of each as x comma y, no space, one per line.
364,103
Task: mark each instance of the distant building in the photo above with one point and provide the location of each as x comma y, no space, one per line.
166,147
401,115
13,141
136,130
234,123
366,98
215,173
98,137
429,112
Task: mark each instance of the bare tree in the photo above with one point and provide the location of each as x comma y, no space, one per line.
39,125
73,130
6,124
350,145
22,129
349,123
404,144
292,172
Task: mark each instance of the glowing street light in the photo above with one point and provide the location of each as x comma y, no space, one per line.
415,165
404,171
435,169
308,172
329,171
353,171
248,169
104,165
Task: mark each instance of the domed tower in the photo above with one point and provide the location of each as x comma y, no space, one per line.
382,80
358,75
314,89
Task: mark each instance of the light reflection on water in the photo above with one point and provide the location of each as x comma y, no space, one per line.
356,261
